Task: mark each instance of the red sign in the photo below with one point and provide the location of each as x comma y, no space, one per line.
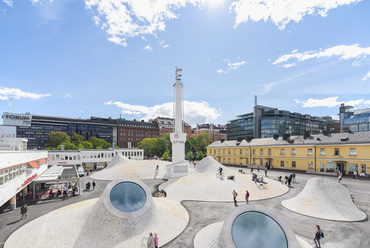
28,180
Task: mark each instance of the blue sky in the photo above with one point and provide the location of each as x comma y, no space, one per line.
109,58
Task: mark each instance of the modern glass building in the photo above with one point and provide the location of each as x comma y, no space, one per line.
357,121
266,122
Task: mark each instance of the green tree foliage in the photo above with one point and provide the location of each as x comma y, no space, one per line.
99,143
57,138
200,155
202,141
189,155
165,156
147,144
67,146
77,139
87,145
190,145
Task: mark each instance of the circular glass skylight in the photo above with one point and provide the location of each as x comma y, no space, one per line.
127,197
255,229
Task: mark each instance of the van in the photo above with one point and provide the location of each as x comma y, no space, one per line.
81,171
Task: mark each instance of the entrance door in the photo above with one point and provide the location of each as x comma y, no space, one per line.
342,168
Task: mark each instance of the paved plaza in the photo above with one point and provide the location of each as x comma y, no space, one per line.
204,217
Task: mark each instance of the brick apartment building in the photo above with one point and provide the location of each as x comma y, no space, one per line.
166,125
216,133
131,133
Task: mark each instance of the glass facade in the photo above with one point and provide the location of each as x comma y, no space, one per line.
127,197
250,229
359,121
271,121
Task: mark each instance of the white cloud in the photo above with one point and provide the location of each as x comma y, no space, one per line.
67,95
8,2
330,102
289,65
6,93
165,46
367,76
281,12
341,51
149,48
132,18
194,112
231,66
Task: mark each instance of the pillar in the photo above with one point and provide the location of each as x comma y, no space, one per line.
33,191
24,192
13,202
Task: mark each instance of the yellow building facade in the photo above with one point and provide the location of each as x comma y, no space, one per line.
346,152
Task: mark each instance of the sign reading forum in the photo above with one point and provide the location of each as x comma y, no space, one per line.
13,119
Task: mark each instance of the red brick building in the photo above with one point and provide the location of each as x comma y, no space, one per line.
131,133
216,133
166,125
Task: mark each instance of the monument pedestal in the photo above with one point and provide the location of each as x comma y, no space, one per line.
177,169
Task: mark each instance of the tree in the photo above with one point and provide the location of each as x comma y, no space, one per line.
202,141
87,145
57,138
67,146
190,145
77,139
147,144
99,143
95,142
190,156
200,155
165,156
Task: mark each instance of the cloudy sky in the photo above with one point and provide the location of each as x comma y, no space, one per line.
109,58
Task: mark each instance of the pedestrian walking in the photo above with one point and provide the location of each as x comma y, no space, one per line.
355,174
290,179
294,178
266,172
24,210
247,196
150,242
339,177
156,172
234,196
94,184
318,235
155,240
352,197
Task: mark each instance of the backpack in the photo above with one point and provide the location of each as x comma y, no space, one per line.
321,234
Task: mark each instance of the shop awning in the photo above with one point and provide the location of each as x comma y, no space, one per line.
48,158
33,164
41,161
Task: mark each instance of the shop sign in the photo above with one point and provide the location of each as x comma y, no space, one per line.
28,180
62,162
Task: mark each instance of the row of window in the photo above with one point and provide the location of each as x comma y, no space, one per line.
11,173
352,151
59,157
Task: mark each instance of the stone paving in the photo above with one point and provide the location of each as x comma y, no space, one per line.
202,214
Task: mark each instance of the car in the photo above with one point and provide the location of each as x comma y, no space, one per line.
81,171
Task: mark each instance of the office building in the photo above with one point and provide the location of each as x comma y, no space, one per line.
267,122
36,128
354,120
216,133
131,133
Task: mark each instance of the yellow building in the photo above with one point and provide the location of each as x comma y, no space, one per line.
326,153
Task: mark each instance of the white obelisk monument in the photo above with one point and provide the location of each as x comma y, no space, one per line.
179,166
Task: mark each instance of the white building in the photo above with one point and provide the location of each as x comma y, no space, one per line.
17,170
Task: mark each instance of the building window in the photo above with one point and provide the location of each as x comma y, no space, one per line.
293,151
269,152
224,160
241,152
254,151
322,151
352,151
228,161
281,163
261,161
247,161
229,151
224,153
219,151
234,151
293,164
310,165
309,153
336,151
261,151
282,152
247,152
254,161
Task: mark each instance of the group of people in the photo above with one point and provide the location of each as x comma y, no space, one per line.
88,185
235,194
152,240
289,179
